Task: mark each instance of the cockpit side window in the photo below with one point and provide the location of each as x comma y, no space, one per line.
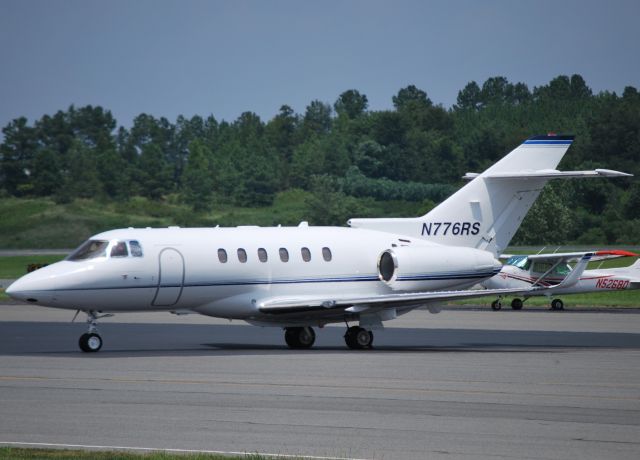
136,249
90,249
119,249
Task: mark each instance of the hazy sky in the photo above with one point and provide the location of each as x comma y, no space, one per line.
225,57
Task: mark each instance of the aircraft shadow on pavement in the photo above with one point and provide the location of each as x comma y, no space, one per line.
126,339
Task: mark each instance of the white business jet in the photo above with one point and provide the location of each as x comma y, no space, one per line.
548,270
302,277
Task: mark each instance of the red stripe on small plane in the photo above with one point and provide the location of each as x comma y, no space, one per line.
617,252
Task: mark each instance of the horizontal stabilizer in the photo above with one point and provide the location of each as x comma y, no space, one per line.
549,174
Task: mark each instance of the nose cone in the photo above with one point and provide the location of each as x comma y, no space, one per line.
35,287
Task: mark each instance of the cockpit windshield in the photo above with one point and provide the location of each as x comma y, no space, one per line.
519,261
90,249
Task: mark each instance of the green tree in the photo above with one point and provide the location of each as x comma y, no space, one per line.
410,97
155,173
17,154
328,205
197,179
46,175
351,104
469,97
81,178
549,220
317,118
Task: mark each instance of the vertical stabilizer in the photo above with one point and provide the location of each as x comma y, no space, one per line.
486,212
494,203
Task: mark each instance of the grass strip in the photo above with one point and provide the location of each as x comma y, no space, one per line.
12,267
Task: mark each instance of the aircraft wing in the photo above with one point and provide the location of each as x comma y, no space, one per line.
354,304
572,256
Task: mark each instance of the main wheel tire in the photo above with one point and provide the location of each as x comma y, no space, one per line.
496,305
90,343
299,337
306,337
557,304
350,337
358,338
82,343
516,304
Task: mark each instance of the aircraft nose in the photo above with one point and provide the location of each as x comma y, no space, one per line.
20,290
31,287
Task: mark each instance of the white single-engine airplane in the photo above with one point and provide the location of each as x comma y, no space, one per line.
549,270
300,277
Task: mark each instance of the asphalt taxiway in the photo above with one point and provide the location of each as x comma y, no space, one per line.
461,384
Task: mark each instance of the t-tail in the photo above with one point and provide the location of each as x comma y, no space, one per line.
487,212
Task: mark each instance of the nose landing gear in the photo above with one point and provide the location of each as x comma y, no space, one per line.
91,342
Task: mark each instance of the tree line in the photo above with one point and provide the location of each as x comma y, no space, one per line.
345,154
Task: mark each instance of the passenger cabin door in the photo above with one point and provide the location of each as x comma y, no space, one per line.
170,278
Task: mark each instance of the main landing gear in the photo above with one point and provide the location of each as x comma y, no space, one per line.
91,342
299,337
516,304
356,337
557,304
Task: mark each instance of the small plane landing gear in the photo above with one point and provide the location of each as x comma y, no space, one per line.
516,304
358,338
496,305
299,337
90,342
557,304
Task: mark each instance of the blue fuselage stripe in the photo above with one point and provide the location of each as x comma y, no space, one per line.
363,278
562,142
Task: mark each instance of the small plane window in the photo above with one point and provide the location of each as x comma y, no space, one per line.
284,255
562,269
90,249
541,267
119,249
518,261
222,256
262,254
326,254
135,248
306,254
242,255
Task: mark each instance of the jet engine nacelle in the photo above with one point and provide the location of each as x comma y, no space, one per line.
417,268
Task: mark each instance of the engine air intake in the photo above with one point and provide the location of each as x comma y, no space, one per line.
387,266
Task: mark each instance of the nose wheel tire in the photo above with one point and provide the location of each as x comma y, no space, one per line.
90,343
557,304
358,338
516,304
496,305
299,337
